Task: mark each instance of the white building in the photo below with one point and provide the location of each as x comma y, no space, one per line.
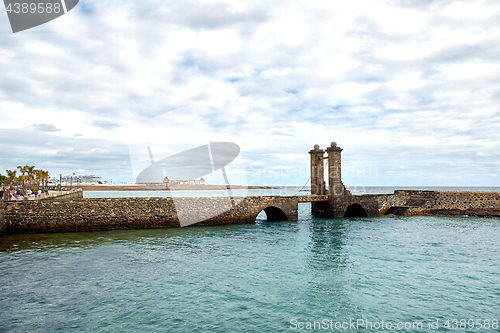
200,181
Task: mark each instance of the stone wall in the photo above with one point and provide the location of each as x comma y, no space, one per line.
44,216
455,203
2,219
484,204
77,194
411,203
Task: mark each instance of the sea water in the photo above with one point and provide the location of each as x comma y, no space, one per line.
416,274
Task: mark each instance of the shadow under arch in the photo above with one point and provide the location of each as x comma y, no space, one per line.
274,214
355,210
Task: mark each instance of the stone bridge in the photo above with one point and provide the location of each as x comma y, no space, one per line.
67,214
138,213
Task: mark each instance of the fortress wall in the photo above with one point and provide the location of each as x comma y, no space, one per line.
484,204
74,215
443,203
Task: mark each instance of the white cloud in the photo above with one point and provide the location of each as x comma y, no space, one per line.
470,10
406,81
471,70
389,81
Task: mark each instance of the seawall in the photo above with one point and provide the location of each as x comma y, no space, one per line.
45,216
75,194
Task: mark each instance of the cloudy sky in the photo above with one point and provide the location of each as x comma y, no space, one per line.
410,89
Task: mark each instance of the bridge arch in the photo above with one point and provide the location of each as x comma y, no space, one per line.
355,210
274,214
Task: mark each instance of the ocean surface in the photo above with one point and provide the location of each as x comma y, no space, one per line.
416,274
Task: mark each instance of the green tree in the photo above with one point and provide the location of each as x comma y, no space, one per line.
38,178
3,179
41,178
31,175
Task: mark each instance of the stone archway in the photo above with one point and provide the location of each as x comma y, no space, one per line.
355,210
275,214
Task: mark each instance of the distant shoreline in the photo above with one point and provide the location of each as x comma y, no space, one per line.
172,188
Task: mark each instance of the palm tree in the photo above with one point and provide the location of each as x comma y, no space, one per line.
23,169
45,179
31,174
38,176
12,176
21,179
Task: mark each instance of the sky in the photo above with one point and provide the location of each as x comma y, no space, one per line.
410,89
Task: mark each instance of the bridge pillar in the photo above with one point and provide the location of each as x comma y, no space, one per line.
317,180
336,190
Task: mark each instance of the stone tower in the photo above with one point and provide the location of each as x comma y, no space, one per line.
336,189
317,180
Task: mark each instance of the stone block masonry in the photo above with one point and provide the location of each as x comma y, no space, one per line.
410,203
482,204
134,213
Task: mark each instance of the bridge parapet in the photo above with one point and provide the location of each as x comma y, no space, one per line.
275,207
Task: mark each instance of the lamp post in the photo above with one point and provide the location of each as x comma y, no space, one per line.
60,182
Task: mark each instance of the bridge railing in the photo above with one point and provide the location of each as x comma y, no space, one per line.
312,198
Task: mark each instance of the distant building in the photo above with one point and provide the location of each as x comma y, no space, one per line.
90,179
169,182
81,179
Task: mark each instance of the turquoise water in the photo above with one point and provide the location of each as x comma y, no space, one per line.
262,277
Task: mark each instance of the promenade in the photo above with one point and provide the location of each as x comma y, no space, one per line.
51,194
